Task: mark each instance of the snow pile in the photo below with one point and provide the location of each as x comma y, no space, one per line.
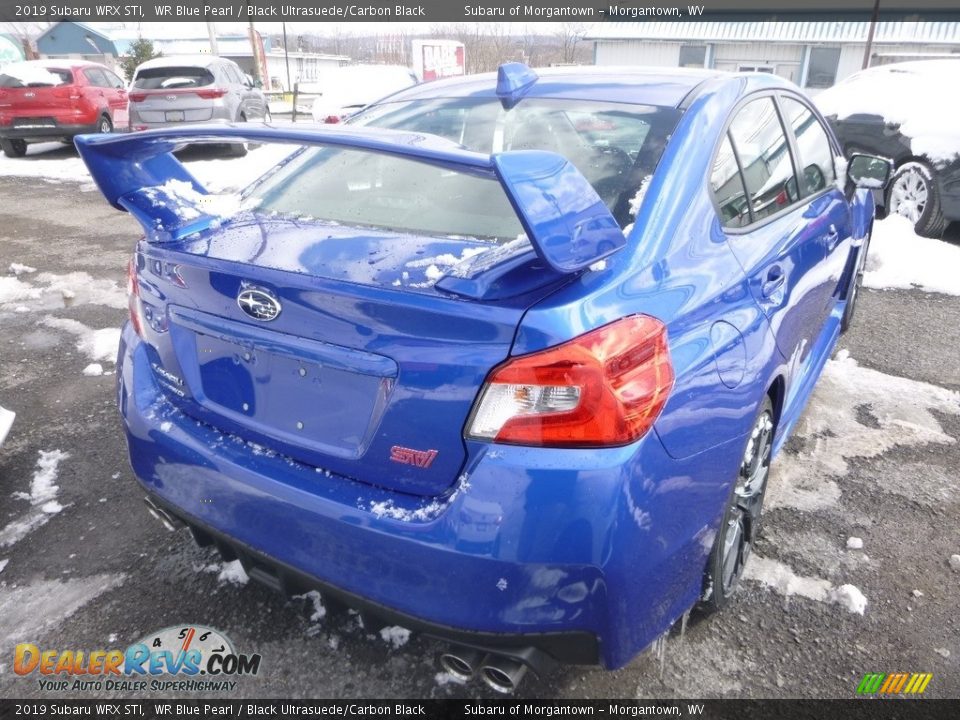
849,597
783,580
854,543
20,269
233,572
42,498
955,562
319,612
3,564
904,413
395,635
899,258
27,610
911,95
14,290
93,370
98,345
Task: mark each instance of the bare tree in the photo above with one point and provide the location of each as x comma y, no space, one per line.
26,33
569,36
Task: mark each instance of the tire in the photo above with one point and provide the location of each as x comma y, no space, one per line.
104,125
741,521
14,148
853,292
913,194
237,150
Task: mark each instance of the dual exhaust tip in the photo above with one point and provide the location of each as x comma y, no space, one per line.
500,673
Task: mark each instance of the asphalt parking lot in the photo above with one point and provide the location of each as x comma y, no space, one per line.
83,566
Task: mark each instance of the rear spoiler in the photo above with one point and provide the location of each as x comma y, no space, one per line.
566,221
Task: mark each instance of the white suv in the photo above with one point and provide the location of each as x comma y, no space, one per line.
193,89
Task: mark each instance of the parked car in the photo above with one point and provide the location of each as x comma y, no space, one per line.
346,90
6,422
904,112
175,90
43,100
520,395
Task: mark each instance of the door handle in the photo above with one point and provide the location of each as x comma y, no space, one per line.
774,281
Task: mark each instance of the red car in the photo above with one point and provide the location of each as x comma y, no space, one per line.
57,99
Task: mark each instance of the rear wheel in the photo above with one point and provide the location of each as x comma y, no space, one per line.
913,194
741,518
14,148
105,125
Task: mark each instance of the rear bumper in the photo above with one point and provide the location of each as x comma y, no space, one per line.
45,132
587,556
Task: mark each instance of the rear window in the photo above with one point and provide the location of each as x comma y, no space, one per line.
614,146
172,78
19,76
365,189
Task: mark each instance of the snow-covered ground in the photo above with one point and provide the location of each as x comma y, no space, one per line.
899,258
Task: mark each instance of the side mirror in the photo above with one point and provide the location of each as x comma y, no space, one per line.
869,171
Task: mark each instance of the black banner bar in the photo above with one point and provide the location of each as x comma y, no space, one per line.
862,709
469,10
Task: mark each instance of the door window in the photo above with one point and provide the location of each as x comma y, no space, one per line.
764,154
727,186
813,146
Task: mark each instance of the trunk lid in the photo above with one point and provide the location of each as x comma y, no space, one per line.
367,370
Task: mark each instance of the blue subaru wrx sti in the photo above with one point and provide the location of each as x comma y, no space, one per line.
504,359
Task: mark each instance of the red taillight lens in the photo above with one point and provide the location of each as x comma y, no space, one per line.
332,119
136,96
211,93
604,388
133,297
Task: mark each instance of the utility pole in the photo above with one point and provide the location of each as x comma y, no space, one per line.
212,33
258,72
873,27
286,56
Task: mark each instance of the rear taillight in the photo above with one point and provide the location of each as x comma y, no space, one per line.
136,96
133,297
66,91
603,388
211,93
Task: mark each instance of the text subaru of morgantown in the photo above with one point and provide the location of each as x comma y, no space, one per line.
504,360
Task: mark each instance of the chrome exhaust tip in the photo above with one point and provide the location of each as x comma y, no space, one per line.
166,520
502,674
461,663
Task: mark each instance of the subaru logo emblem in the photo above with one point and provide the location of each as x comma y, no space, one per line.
171,98
259,304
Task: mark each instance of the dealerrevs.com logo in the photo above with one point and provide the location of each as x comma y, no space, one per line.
186,658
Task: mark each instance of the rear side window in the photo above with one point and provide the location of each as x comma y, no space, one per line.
813,146
615,147
364,189
20,76
764,153
727,186
96,78
172,78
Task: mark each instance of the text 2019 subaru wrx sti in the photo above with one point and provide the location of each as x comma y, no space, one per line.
504,360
